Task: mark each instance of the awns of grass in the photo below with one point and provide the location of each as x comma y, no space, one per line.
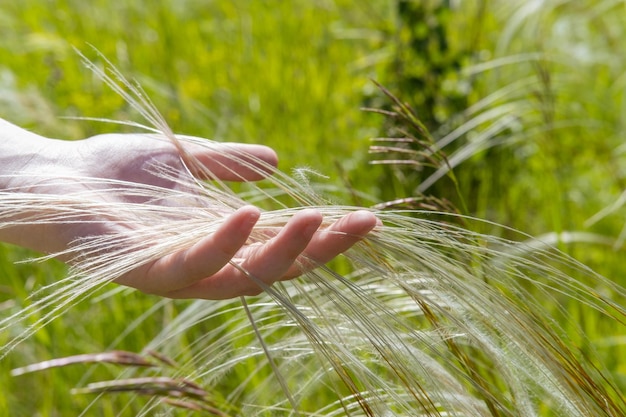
421,318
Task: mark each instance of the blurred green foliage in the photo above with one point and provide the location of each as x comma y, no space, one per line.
525,99
280,73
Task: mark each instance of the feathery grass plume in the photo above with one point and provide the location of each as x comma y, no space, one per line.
421,318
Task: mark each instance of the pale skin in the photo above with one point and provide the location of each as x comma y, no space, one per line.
202,271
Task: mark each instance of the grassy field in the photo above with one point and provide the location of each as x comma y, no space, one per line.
287,74
538,143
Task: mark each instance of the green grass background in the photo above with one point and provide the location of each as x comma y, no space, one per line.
293,75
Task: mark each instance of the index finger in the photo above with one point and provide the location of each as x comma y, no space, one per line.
230,161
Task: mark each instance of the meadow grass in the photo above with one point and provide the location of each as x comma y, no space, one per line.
292,75
277,73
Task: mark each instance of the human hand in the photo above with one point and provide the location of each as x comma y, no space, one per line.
213,268
205,270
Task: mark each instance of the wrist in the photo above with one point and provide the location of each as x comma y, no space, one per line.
23,152
27,162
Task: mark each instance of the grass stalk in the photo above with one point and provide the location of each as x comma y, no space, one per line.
390,328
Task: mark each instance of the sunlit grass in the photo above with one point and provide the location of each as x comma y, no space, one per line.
278,74
432,319
540,154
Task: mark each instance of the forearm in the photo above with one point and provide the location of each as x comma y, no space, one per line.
25,160
21,150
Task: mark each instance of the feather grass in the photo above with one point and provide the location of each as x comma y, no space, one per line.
421,318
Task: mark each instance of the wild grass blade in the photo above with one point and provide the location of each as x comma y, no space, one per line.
422,318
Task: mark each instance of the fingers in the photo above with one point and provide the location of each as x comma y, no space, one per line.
222,266
205,258
338,238
266,263
275,258
234,162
